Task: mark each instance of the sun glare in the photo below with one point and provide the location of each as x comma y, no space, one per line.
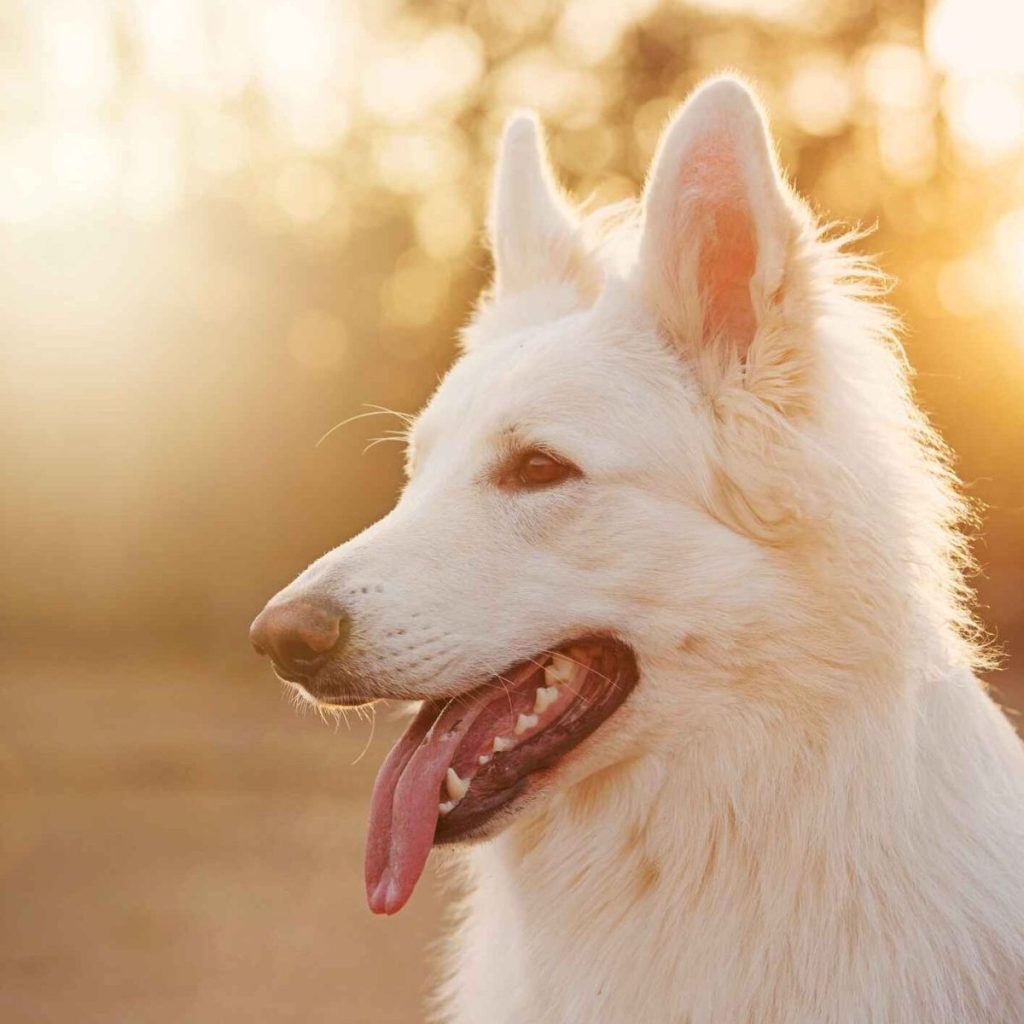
319,118
978,47
184,99
977,37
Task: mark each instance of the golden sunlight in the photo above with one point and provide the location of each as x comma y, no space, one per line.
978,46
230,228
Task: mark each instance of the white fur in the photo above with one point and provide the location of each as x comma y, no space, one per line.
809,811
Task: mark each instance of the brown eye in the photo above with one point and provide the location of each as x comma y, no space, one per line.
537,468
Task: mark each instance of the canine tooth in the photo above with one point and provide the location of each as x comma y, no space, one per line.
484,759
456,787
524,722
502,743
546,696
560,670
447,806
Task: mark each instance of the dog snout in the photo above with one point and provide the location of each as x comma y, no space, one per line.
299,635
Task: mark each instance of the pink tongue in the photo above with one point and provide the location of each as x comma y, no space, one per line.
404,808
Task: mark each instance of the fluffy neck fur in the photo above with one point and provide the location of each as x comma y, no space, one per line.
868,875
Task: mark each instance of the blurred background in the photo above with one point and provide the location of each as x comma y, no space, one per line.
227,225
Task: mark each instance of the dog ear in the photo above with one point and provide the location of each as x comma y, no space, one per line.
534,235
720,230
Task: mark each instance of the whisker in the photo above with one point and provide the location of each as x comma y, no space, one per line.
505,683
381,440
371,711
406,417
377,410
576,693
600,675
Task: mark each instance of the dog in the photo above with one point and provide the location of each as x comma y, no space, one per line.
678,577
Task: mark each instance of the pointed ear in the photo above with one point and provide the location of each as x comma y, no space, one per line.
720,224
535,236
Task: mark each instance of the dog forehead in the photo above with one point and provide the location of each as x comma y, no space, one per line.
570,371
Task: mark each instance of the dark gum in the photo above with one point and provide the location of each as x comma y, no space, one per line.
498,783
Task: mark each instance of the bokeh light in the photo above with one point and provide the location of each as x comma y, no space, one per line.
225,225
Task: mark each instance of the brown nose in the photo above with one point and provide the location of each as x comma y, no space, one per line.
298,635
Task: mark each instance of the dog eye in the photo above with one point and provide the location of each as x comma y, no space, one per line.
536,468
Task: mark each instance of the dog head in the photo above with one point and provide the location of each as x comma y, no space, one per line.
566,477
612,498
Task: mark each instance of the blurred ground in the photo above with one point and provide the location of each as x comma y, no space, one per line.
178,845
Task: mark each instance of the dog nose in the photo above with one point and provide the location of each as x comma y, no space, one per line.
298,635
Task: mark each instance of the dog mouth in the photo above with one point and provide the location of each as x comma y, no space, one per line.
464,760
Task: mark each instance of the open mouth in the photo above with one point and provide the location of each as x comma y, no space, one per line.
465,759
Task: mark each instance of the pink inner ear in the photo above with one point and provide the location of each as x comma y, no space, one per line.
719,213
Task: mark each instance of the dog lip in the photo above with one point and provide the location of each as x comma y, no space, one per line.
499,786
298,678
333,700
348,700
327,685
306,685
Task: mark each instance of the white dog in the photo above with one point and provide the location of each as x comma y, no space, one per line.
677,577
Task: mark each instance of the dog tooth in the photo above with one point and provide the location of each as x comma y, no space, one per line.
524,722
456,787
502,743
484,759
447,806
546,696
561,670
